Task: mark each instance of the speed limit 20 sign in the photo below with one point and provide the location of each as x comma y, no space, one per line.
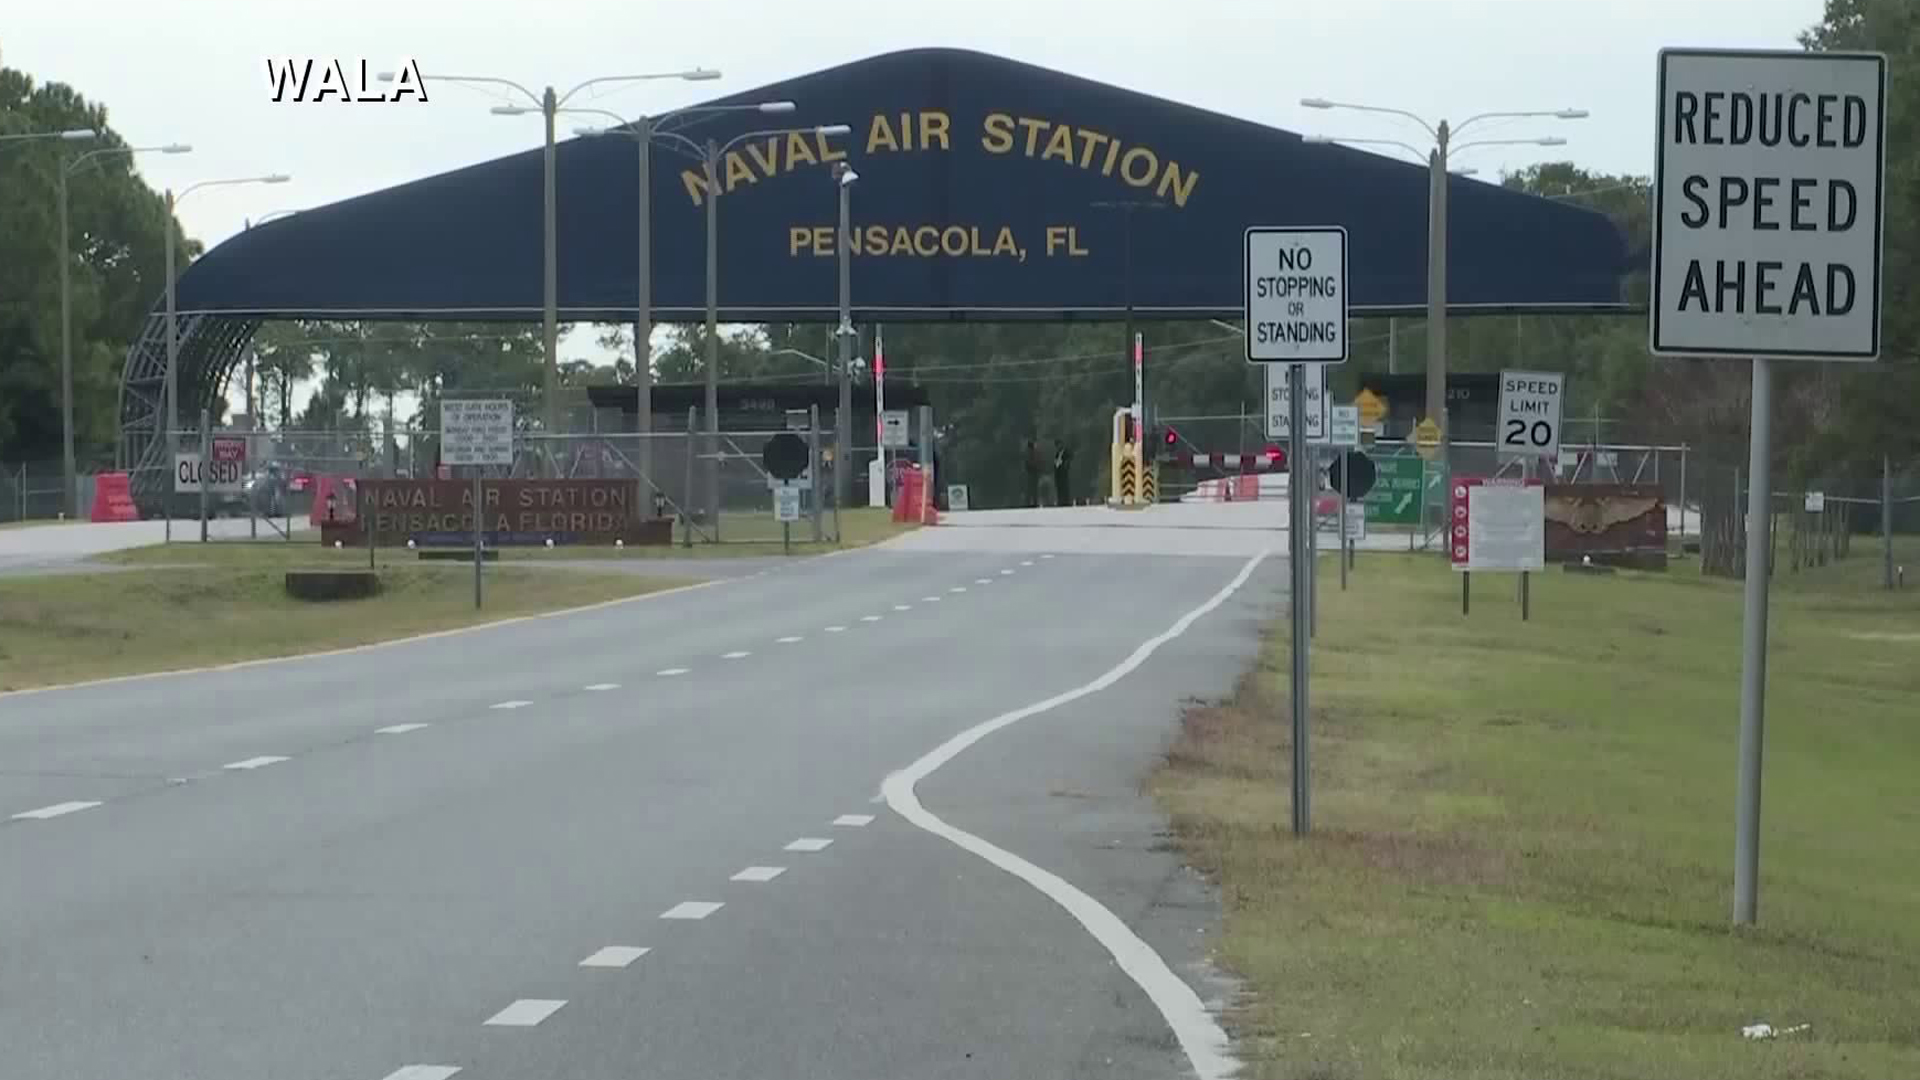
1530,414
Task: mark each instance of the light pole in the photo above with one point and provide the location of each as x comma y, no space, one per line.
69,135
826,367
1436,160
843,421
548,104
710,155
642,130
69,501
173,335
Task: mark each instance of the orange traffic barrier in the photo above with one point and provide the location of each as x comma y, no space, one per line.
113,498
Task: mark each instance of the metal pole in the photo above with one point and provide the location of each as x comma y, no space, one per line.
843,423
1683,496
1886,518
813,465
1525,597
1466,591
712,470
1753,659
173,399
926,464
1421,498
1437,284
1313,542
206,459
69,499
1393,345
686,499
643,316
549,105
1300,508
476,537
1343,526
366,518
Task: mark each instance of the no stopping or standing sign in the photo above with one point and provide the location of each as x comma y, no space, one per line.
1296,303
1767,204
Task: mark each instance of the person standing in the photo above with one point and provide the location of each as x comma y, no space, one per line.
1062,473
1034,468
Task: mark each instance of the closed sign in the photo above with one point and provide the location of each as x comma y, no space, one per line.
223,477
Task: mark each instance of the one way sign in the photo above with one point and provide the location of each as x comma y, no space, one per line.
1278,420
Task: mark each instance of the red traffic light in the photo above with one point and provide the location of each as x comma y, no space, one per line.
1276,457
1172,437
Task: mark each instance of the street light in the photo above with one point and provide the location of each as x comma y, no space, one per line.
548,104
843,420
70,499
826,367
173,336
641,130
710,156
1442,135
69,135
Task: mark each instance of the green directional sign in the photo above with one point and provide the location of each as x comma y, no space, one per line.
1395,498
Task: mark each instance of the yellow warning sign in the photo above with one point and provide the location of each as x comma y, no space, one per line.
1426,439
1373,407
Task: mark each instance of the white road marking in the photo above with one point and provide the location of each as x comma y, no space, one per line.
869,618
615,956
759,873
1046,556
692,909
602,686
423,1072
931,599
854,820
1026,562
736,655
56,810
670,672
527,1012
790,639
398,729
1199,1033
511,704
808,843
958,588
255,762
1006,573
983,581
903,607
835,629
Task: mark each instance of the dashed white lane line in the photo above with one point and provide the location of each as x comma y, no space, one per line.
1006,573
869,618
903,607
759,873
983,581
958,588
1199,1034
423,1072
790,639
930,599
56,810
692,909
671,672
255,762
398,729
527,1012
615,956
737,654
809,843
516,704
835,629
854,820
1046,556
601,686
1026,562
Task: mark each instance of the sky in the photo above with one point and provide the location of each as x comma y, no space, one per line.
194,71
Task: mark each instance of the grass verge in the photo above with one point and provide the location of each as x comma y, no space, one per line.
1521,863
68,628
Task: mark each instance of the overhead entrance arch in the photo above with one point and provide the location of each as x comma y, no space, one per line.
990,189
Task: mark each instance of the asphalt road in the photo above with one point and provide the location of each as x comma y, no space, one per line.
444,853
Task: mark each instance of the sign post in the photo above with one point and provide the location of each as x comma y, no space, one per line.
475,434
1296,315
1768,211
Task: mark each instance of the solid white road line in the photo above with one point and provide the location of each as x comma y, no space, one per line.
903,607
602,686
670,672
527,1012
511,704
759,873
1199,1034
255,762
398,729
736,655
869,618
423,1072
854,820
790,639
692,909
835,629
615,956
54,811
808,843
